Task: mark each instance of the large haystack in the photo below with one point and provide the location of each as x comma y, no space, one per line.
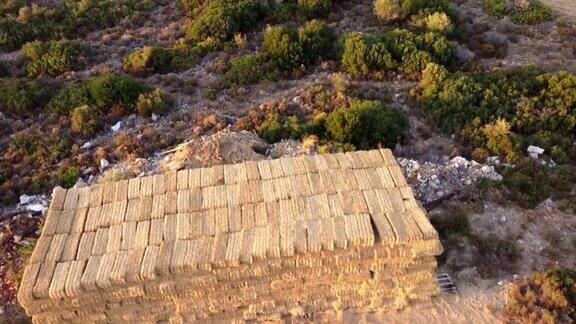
257,240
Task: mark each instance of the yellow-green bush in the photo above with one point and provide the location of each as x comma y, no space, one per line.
156,102
504,111
85,120
535,12
149,59
54,57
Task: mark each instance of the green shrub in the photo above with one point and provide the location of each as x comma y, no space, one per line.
282,12
149,59
22,97
367,124
315,8
247,69
71,96
354,52
85,120
69,177
70,19
282,47
224,18
112,89
54,57
156,102
535,12
544,297
399,49
316,41
529,183
504,111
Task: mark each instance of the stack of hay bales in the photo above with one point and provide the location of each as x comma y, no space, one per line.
257,240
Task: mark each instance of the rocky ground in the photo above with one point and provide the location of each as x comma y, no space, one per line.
430,160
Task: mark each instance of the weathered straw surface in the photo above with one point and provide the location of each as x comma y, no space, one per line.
253,240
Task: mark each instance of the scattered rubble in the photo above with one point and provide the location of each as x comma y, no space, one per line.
534,151
432,181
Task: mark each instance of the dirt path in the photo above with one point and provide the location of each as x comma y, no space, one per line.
470,305
563,7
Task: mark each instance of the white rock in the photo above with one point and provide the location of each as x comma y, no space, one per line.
487,169
535,149
86,145
154,117
460,161
534,155
36,207
24,199
493,160
116,127
80,183
503,219
104,164
17,238
501,283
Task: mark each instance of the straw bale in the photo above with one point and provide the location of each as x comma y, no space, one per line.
423,223
308,163
286,211
78,220
376,158
397,176
327,233
104,271
276,168
344,161
273,212
234,247
121,190
141,235
353,202
156,232
190,259
217,175
184,201
128,235
195,225
340,236
162,267
248,216
85,246
316,186
171,181
288,166
204,253
135,264
118,212
71,247
327,183
51,222
260,245
73,285
365,232
42,246
147,186
232,195
56,289
268,192
265,170
196,199
396,200
96,195
208,222
171,203
194,178
313,235
100,241
147,270
170,227
157,205
177,263
252,172
355,160
231,174
218,257
388,157
299,210
234,219
182,179
320,162
43,280
133,188
93,219
405,228
65,221
89,278
385,232
56,247
84,197
221,220
246,254
183,226
273,250
58,197
255,190
120,267
71,199
300,186
300,240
